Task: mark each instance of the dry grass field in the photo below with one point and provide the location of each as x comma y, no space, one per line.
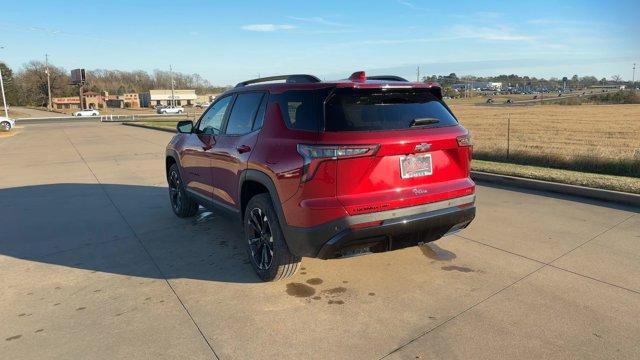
599,138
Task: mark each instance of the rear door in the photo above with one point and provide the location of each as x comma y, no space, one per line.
196,154
231,152
418,157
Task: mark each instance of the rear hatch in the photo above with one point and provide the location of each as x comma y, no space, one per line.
418,152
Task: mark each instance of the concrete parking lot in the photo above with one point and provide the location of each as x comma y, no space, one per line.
93,264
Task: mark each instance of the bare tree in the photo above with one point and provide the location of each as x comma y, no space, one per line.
616,78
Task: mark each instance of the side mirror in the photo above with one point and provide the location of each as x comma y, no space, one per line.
185,126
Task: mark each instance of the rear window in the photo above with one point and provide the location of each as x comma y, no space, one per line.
301,109
377,109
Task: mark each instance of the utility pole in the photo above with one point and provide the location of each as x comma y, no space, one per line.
4,98
173,99
46,61
418,74
633,82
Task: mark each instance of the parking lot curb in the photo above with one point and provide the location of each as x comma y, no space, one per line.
150,127
575,190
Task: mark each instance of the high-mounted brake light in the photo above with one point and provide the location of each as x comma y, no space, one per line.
358,76
313,155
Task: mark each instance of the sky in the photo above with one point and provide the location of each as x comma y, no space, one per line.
230,41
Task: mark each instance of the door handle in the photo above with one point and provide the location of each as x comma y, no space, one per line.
243,149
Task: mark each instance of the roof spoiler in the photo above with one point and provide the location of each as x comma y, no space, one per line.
290,79
387,78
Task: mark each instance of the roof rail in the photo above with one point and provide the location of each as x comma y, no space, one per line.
291,79
387,77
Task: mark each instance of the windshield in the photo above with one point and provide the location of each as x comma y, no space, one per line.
379,109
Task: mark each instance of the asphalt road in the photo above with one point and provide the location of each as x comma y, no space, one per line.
93,264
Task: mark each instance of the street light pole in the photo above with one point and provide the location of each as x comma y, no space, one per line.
173,98
46,61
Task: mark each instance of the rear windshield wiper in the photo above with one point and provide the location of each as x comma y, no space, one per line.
424,121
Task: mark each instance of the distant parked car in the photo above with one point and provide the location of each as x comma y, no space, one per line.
204,105
6,124
87,112
170,110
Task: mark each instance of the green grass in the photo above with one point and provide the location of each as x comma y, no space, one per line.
600,181
170,124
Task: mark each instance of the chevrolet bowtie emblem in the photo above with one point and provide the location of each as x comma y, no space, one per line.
423,147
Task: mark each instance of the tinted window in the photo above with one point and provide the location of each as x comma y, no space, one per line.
257,124
301,109
244,111
211,121
365,110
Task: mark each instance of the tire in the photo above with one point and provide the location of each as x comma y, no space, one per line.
179,111
266,247
181,204
5,126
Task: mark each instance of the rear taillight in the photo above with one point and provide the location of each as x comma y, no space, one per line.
314,155
464,140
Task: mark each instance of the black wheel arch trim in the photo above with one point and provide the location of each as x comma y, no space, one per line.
172,153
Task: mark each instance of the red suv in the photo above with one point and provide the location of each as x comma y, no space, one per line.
325,169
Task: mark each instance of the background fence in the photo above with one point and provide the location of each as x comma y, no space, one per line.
596,138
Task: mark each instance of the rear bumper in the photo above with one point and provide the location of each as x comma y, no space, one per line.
398,228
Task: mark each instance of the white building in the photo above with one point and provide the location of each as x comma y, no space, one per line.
163,97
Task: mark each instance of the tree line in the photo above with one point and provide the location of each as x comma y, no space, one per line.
514,80
28,85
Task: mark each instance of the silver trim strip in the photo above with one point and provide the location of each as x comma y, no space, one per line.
408,211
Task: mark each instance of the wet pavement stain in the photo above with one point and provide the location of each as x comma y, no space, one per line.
372,294
337,302
457,268
300,290
15,337
80,308
435,252
336,290
314,281
345,281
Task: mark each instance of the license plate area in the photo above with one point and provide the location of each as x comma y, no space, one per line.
415,165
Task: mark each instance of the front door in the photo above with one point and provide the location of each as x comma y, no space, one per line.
196,156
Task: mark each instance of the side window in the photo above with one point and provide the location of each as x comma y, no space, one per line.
244,111
211,121
257,124
301,109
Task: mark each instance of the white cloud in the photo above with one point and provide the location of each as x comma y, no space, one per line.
498,33
267,27
406,3
316,20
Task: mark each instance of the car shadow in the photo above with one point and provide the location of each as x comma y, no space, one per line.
120,229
